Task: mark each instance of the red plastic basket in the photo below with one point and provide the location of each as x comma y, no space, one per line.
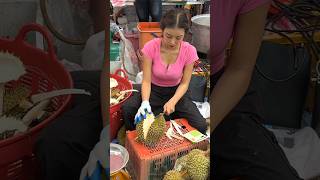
115,110
44,73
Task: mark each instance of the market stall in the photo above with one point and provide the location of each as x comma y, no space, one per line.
157,148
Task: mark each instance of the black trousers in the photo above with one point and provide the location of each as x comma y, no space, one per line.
242,147
185,108
145,8
64,146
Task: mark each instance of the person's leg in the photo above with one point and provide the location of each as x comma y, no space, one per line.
242,147
142,10
64,146
159,96
185,108
155,8
130,108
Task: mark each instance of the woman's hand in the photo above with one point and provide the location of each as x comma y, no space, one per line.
169,107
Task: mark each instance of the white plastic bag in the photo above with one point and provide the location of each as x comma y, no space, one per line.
70,66
93,53
302,149
139,78
128,57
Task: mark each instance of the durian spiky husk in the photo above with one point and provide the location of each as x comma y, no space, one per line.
197,166
11,67
183,160
139,129
154,133
17,112
173,175
13,97
194,152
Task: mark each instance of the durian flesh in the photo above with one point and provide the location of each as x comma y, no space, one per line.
147,124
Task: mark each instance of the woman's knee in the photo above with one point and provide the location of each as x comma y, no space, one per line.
199,123
50,141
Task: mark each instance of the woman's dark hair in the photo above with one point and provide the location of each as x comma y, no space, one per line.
175,19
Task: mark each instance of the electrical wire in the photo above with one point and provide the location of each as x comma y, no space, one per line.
304,15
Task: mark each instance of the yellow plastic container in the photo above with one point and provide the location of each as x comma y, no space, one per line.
121,175
148,31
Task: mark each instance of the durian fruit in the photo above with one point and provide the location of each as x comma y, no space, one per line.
11,68
113,83
194,152
197,166
173,175
151,129
17,112
11,124
13,97
183,160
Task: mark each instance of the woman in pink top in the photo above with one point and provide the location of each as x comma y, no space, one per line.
167,69
242,147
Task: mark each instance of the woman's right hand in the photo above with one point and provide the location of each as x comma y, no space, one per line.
141,114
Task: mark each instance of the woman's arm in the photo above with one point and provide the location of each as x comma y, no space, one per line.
146,80
104,89
237,75
181,90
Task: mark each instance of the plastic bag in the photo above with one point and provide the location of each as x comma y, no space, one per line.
128,57
70,66
302,150
93,53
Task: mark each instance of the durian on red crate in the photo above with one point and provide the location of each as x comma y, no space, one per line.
147,163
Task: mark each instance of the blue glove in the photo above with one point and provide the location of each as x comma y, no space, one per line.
141,114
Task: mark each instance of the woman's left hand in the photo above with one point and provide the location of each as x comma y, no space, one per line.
169,107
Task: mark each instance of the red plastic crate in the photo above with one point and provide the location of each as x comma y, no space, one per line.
152,163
